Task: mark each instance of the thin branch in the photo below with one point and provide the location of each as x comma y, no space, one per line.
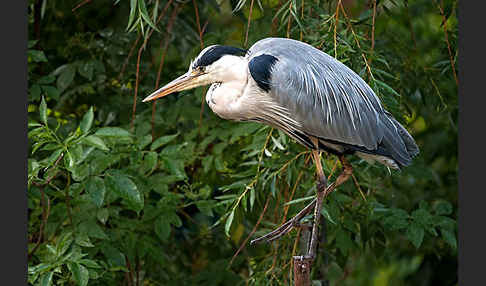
248,25
289,21
130,53
373,26
82,3
201,42
336,22
140,50
253,230
444,22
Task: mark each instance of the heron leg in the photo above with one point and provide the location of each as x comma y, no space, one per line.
323,191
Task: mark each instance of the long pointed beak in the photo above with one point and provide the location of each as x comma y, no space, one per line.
185,81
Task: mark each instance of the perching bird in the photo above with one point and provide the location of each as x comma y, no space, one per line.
311,96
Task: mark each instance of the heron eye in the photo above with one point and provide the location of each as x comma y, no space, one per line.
200,69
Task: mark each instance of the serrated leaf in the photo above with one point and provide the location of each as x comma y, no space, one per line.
415,233
127,190
162,141
43,111
87,121
95,141
113,131
95,187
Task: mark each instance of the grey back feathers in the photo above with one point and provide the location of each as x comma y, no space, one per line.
326,100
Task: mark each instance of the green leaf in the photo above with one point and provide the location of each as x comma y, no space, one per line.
415,233
95,141
34,92
149,162
83,240
102,215
133,9
87,121
53,157
66,77
449,237
162,141
162,228
48,79
51,92
387,87
95,187
229,221
127,190
145,15
80,273
442,207
113,132
86,69
46,279
36,56
43,111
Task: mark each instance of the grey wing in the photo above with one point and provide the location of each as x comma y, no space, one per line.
325,97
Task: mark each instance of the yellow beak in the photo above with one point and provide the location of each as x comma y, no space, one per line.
184,82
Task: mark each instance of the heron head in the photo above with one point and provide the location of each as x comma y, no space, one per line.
210,66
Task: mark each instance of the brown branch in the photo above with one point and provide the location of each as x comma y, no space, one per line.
45,215
201,42
130,53
248,25
82,3
373,26
289,21
336,22
142,47
451,58
252,231
159,71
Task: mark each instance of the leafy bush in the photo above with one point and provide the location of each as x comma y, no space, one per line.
120,194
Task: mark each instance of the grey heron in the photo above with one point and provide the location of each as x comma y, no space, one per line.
311,96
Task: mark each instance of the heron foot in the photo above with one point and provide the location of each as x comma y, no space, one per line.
286,227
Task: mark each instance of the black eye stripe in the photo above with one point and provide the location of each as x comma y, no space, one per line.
215,53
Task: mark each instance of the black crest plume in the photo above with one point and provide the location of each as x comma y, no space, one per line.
215,53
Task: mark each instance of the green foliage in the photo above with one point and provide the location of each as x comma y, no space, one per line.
167,198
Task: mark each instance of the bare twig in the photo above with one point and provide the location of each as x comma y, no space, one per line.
336,22
142,47
444,22
289,21
130,53
253,230
82,3
201,42
248,25
373,26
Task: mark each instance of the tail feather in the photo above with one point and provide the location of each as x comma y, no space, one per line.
398,142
